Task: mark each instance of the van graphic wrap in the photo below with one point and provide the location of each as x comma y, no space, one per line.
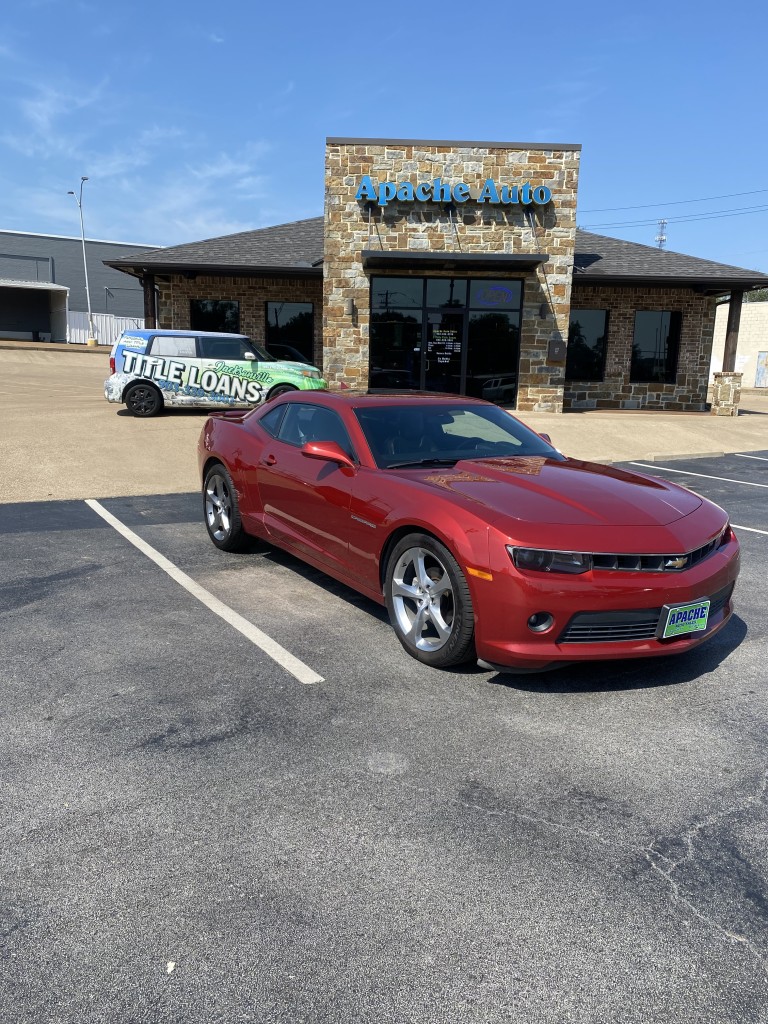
188,380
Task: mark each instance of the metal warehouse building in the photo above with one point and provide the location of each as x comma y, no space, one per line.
42,287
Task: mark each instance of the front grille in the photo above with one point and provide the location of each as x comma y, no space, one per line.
653,563
635,624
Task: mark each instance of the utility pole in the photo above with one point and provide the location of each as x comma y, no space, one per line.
661,237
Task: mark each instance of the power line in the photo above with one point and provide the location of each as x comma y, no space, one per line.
674,202
714,215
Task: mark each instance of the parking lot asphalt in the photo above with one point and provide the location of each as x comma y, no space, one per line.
190,833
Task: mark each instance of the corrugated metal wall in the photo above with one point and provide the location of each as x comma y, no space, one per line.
107,328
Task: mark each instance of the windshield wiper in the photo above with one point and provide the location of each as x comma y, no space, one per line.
423,462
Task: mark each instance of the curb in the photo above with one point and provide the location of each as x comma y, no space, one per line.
662,457
32,346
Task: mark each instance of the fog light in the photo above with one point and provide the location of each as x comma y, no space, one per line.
540,622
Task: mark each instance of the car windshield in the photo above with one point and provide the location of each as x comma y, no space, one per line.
438,434
261,353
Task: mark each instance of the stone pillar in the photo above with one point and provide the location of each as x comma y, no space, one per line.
726,394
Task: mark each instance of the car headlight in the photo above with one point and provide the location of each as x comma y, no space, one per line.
542,560
314,374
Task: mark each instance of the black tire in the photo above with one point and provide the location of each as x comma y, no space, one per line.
280,389
221,510
429,603
143,399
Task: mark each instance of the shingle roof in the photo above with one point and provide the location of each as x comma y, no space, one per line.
297,246
612,261
297,249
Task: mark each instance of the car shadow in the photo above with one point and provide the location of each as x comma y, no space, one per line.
318,577
632,674
184,410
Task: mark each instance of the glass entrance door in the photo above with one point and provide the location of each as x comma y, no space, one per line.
442,348
457,335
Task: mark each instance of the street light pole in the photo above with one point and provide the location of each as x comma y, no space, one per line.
79,200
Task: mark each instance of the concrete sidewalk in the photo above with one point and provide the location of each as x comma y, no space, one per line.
60,439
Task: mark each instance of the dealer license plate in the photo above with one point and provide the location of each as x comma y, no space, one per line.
684,618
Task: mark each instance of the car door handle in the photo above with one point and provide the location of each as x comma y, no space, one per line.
268,460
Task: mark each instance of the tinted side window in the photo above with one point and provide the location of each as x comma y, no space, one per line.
305,423
224,348
271,420
167,345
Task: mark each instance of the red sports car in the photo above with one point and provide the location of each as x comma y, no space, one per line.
482,539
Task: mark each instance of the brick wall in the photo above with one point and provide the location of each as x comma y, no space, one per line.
251,293
476,228
615,391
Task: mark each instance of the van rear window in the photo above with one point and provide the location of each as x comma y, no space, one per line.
167,345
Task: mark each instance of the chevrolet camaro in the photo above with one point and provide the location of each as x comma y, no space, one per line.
483,541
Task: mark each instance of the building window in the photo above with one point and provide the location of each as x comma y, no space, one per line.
290,332
587,333
214,315
655,348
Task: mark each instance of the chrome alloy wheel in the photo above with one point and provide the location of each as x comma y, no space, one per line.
423,599
218,506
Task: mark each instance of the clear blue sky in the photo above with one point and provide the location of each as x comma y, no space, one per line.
199,119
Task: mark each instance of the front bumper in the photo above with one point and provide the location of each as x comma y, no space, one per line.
504,606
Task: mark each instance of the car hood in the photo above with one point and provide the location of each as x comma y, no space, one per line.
570,492
292,364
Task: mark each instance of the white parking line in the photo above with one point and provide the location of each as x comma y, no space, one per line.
750,529
284,658
706,476
760,458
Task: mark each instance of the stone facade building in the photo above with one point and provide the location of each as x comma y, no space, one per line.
458,267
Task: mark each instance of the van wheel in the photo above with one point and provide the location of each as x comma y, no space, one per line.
281,389
143,399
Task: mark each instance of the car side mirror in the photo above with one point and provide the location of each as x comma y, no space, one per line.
328,451
546,437
249,355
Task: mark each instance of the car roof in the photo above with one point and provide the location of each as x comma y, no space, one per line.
150,332
368,399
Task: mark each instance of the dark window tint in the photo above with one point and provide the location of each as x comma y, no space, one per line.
492,356
655,347
173,347
394,292
304,423
446,291
587,335
395,349
290,325
271,421
225,348
214,315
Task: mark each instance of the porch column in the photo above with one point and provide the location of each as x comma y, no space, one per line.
148,284
732,331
